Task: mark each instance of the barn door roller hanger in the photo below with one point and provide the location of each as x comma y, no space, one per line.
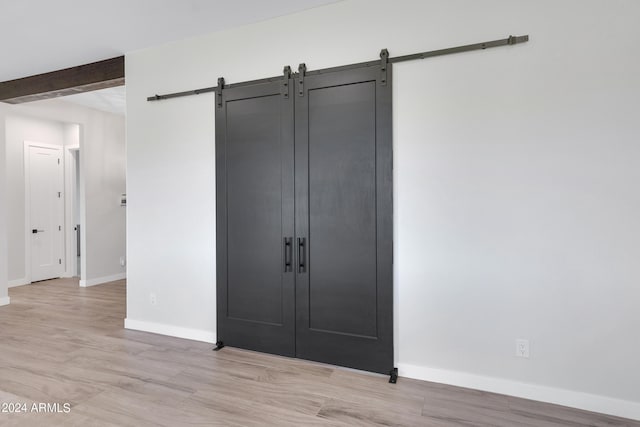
383,62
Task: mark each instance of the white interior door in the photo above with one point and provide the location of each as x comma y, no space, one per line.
46,212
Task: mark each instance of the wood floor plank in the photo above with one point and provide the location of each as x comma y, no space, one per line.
135,409
360,414
251,392
252,412
60,343
40,387
125,365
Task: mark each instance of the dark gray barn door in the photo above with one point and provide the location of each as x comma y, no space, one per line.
304,245
255,224
344,225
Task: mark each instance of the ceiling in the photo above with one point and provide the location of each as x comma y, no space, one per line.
112,100
39,36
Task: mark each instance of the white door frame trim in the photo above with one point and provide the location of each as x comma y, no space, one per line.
70,184
27,201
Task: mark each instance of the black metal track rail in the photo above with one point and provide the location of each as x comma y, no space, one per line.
511,40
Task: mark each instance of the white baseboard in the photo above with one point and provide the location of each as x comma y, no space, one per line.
101,280
172,331
18,282
574,399
4,301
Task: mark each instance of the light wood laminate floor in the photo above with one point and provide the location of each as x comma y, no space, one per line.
63,344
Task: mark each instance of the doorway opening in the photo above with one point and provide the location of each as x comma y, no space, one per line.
53,207
74,216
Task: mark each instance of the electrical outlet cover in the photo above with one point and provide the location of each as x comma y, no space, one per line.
522,348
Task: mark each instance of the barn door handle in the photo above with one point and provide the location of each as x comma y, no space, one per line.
302,255
288,249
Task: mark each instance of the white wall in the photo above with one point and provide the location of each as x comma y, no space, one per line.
516,185
102,145
104,176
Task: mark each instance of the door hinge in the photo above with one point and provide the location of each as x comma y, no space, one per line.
58,161
59,261
219,91
302,69
285,82
384,63
59,194
59,228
